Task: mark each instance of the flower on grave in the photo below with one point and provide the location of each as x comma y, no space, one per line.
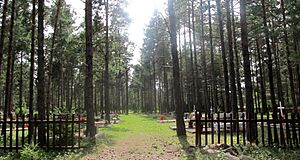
82,119
162,117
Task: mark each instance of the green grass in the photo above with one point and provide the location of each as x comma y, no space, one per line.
137,124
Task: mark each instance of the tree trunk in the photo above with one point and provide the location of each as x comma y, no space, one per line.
298,81
72,89
88,89
251,127
205,88
106,70
181,64
3,31
261,79
41,73
287,49
231,62
212,59
61,81
176,77
50,74
198,85
68,105
9,69
166,88
270,63
237,61
278,77
187,88
31,83
192,75
21,85
274,44
102,95
154,87
295,44
223,52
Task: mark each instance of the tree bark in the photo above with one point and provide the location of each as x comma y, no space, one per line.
205,88
41,73
298,82
287,49
212,59
224,59
261,78
126,93
106,70
154,86
231,61
192,75
237,61
270,63
50,74
3,31
21,85
176,77
197,81
31,83
9,69
88,89
251,127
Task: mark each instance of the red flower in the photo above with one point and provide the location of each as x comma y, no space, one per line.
82,119
162,117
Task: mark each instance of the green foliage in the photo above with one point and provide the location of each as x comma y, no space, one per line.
24,108
1,139
65,155
32,152
64,109
8,156
256,152
265,153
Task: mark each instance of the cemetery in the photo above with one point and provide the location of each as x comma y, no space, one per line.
149,79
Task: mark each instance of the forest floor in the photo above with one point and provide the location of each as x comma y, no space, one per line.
138,137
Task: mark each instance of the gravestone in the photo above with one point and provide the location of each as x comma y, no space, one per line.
62,117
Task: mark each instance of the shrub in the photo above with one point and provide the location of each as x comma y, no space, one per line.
32,152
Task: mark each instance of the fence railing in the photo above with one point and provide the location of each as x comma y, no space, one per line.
261,129
60,132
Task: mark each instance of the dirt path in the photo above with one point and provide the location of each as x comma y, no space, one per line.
140,144
140,147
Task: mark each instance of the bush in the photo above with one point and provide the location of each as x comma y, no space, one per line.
32,152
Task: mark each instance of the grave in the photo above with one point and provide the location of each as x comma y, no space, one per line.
62,117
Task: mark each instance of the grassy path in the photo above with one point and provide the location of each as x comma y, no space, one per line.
137,137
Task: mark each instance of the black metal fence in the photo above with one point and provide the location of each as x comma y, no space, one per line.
61,132
266,130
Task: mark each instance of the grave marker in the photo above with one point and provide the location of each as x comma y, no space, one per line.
281,108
